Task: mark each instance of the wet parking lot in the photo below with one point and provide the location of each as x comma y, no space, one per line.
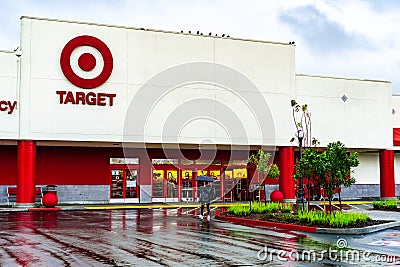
173,237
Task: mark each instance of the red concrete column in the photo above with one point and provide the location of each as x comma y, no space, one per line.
286,167
222,186
387,181
26,172
146,178
179,184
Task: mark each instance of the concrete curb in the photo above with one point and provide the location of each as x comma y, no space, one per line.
44,209
309,229
252,223
358,231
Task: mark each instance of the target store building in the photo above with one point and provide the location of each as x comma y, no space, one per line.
113,114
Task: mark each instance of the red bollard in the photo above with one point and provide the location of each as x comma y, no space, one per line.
276,196
50,198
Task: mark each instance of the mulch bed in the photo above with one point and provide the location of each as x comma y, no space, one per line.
289,218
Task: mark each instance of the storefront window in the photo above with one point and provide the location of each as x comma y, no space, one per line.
187,186
172,183
239,173
202,173
216,174
228,174
158,183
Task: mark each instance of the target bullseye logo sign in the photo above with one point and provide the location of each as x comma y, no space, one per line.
86,61
86,64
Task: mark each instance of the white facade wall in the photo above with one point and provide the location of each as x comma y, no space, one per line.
397,168
8,95
368,170
138,56
363,121
396,108
396,124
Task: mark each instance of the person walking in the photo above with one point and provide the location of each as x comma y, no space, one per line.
207,194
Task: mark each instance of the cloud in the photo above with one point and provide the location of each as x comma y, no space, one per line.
343,38
319,32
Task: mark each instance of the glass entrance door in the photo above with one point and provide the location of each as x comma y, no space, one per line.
117,183
187,185
124,183
165,184
215,173
131,188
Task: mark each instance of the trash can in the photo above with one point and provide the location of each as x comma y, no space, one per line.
50,198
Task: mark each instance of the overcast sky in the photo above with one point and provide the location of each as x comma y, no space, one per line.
342,38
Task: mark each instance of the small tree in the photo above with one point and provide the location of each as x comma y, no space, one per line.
331,169
340,164
302,121
264,165
311,166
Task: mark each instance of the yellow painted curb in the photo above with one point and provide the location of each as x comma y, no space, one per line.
344,202
197,205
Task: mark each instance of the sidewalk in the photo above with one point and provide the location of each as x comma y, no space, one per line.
374,214
383,215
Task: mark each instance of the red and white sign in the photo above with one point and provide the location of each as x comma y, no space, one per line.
87,63
9,106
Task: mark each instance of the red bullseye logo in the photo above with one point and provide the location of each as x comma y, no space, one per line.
86,62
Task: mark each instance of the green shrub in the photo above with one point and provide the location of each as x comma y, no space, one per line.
334,219
272,207
259,207
377,204
388,204
285,207
391,204
239,210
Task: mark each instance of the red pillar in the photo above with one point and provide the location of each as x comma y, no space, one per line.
222,185
387,181
179,183
26,172
146,178
286,167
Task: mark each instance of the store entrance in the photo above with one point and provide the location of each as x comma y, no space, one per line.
165,184
188,185
124,186
175,179
215,173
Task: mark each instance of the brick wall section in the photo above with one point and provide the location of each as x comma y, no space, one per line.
361,191
83,193
70,194
3,194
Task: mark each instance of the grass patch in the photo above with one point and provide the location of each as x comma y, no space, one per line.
335,219
260,208
279,212
390,204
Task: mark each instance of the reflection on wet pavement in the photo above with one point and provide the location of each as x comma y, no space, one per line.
147,238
